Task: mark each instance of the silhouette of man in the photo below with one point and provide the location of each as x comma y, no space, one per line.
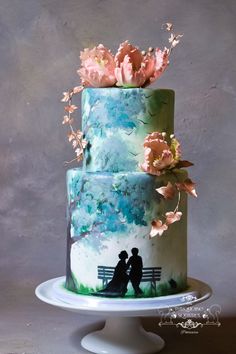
136,271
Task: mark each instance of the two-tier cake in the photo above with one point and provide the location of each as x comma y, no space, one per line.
127,204
111,203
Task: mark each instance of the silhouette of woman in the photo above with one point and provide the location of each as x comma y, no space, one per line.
118,284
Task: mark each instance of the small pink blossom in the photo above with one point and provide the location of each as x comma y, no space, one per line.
67,120
77,89
174,39
173,216
66,96
98,67
157,228
159,155
168,26
70,108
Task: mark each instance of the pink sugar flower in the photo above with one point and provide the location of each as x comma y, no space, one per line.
137,69
159,155
132,67
173,216
157,228
98,67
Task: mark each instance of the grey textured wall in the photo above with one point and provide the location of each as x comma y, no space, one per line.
39,45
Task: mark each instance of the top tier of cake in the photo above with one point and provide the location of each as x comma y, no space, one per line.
115,122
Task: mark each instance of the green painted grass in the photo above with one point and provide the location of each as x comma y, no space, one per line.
162,289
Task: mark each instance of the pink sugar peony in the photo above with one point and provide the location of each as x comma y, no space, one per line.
132,67
136,69
98,67
158,155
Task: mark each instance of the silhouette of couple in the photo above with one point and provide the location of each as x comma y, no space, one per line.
118,284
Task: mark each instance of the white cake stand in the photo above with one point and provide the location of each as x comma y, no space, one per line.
123,332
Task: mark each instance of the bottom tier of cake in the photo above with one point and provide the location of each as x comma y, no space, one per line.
109,250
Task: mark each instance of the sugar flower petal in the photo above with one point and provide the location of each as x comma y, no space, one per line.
164,161
161,63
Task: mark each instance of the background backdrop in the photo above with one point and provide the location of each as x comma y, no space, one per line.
40,41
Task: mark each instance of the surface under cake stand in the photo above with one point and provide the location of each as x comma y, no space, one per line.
123,332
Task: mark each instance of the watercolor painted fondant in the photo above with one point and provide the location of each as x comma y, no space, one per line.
115,122
111,213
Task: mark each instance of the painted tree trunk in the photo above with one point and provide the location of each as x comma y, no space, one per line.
70,283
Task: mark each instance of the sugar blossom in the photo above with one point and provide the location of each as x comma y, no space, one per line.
98,67
135,68
129,67
159,155
157,228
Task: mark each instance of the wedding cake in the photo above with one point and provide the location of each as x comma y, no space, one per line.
127,204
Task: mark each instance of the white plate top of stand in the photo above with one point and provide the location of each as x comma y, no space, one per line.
54,293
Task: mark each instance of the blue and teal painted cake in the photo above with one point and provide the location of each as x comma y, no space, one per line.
112,202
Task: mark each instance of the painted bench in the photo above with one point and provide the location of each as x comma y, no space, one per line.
150,274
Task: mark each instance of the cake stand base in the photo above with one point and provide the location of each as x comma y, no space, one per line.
123,335
123,332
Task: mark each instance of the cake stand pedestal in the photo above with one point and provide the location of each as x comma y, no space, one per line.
123,332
